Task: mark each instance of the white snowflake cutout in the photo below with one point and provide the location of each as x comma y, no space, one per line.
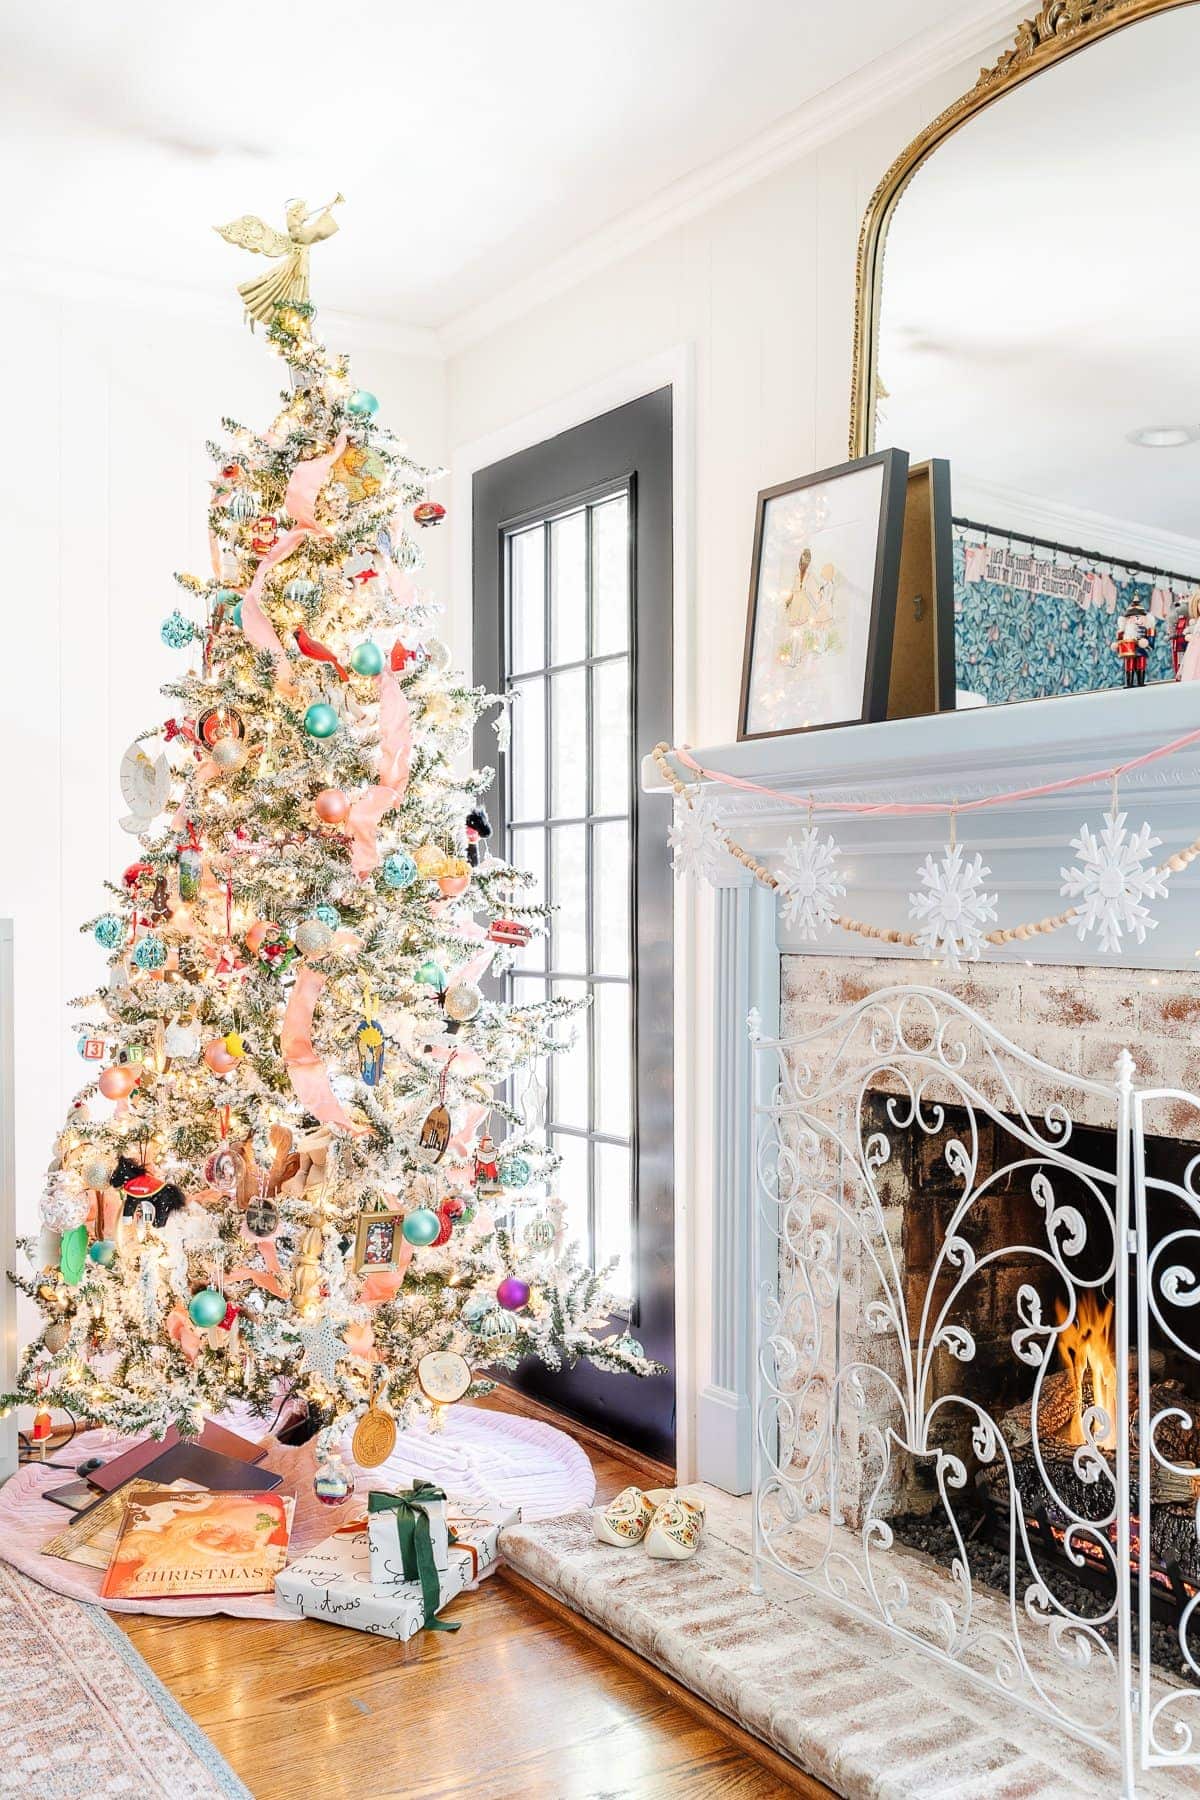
953,910
696,848
1111,882
809,884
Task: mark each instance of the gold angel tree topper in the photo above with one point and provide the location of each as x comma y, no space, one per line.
289,280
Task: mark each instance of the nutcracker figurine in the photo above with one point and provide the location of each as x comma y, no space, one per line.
1135,636
487,1175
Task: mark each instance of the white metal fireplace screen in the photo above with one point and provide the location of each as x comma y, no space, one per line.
864,1383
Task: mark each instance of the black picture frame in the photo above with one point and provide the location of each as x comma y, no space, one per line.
888,536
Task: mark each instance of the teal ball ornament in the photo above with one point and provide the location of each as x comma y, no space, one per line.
320,721
235,615
367,659
430,974
176,632
150,952
206,1308
103,1251
362,405
422,1226
514,1172
109,931
227,597
399,869
475,1309
328,915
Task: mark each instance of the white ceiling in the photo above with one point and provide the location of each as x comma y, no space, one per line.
474,140
1040,292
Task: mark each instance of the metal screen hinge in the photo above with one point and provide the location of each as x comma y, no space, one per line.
1131,1241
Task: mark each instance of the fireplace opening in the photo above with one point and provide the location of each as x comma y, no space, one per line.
1063,1464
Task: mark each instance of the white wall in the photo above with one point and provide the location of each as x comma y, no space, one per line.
103,495
757,294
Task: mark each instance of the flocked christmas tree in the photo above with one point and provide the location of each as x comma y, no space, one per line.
283,1181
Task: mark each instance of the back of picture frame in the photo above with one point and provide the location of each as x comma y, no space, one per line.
922,666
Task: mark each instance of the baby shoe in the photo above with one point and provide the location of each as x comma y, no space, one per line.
624,1520
675,1530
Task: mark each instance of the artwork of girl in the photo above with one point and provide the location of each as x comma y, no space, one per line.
810,629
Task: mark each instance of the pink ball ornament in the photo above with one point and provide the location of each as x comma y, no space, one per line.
513,1294
118,1082
218,1057
331,806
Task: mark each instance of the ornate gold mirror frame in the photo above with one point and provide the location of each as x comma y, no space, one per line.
1060,28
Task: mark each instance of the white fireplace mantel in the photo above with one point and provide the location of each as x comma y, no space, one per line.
963,756
952,756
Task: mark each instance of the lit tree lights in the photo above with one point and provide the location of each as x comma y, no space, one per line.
275,1181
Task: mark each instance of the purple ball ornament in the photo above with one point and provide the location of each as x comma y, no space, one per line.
513,1294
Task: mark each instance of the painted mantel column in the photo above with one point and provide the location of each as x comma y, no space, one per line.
745,975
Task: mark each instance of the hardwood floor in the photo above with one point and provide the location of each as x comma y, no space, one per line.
524,1701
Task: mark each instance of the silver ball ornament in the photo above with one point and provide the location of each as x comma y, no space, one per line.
462,1001
228,753
312,937
64,1204
56,1337
96,1171
437,655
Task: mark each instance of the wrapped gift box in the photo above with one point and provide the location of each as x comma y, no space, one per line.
479,1531
333,1583
384,1526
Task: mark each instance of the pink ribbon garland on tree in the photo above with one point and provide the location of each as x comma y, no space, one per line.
308,1074
300,503
395,759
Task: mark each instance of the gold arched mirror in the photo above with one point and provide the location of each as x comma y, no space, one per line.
1029,310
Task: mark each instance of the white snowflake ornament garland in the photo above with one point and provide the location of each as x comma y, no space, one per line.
809,884
696,849
1112,883
953,910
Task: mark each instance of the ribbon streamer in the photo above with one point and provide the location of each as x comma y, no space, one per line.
308,1074
395,760
411,1508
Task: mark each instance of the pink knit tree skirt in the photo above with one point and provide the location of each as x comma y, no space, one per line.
479,1458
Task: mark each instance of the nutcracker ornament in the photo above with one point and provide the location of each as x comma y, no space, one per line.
1135,638
487,1174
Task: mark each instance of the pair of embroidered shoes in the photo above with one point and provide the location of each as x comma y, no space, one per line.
669,1523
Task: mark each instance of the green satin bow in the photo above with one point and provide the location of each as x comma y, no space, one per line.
416,1546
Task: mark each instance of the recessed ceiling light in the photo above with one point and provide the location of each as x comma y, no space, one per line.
1163,437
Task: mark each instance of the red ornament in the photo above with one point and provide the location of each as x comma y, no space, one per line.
136,872
42,1425
309,646
401,657
443,1236
231,472
429,512
266,530
485,1161
231,1313
508,931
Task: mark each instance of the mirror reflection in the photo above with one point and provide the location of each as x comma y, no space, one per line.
1038,327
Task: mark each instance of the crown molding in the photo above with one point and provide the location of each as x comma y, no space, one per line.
60,281
985,28
1011,508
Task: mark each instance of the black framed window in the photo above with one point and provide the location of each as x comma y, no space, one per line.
573,618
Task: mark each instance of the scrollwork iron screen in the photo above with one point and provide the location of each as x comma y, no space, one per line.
871,1397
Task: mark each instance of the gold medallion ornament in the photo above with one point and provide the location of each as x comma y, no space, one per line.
444,1376
374,1438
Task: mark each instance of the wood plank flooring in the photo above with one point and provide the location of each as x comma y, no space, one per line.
521,1702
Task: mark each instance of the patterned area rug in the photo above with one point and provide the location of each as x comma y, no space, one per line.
865,1714
82,1716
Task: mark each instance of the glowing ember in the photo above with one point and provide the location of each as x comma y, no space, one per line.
1086,1346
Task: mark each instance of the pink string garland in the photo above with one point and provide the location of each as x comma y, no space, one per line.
900,809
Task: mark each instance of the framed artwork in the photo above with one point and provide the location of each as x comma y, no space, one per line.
378,1240
822,608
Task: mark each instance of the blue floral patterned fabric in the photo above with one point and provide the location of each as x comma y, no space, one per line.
1012,645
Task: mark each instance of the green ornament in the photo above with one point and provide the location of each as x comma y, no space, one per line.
362,405
328,915
320,721
103,1251
422,1226
514,1172
366,659
431,974
109,931
72,1254
206,1308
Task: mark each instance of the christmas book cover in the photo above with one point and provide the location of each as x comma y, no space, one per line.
198,1543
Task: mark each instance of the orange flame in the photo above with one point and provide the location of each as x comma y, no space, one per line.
1086,1346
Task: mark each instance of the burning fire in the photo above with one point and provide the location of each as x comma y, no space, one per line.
1086,1345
